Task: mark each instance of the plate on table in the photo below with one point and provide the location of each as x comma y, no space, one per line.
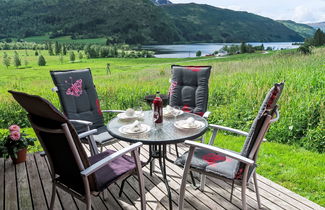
126,129
136,115
182,124
170,114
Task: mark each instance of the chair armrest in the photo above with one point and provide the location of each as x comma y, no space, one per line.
206,114
220,151
229,129
87,133
95,167
113,111
83,122
232,130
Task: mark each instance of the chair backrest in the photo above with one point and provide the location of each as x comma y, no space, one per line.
47,123
190,88
78,97
268,107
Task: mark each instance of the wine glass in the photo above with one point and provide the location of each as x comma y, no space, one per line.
138,111
176,111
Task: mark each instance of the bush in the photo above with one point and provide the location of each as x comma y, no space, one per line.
72,57
304,49
198,53
41,61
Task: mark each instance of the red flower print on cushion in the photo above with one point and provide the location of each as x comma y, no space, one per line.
172,87
213,158
199,113
98,107
194,68
239,174
75,89
186,108
273,96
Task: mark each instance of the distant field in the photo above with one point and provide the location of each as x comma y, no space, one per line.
65,39
238,85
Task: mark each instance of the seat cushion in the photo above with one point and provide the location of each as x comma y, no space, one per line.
102,136
189,88
211,162
113,170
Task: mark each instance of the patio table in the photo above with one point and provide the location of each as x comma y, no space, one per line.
158,138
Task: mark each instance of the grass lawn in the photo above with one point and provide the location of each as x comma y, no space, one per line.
237,87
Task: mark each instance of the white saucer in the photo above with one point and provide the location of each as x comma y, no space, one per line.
181,124
126,129
136,115
169,114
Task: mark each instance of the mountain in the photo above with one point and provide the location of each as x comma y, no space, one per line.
316,26
132,21
303,30
204,23
137,22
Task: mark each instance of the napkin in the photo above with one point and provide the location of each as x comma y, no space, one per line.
190,123
135,127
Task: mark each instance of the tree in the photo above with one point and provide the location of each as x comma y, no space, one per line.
304,49
319,38
243,47
41,60
6,60
50,48
36,53
64,50
80,56
72,56
198,53
17,61
61,59
57,48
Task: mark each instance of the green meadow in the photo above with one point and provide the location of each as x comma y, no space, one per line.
294,154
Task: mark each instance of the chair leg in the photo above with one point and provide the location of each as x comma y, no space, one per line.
232,190
141,179
202,184
176,149
183,183
257,191
53,196
88,203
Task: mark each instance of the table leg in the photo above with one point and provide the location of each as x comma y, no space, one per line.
162,164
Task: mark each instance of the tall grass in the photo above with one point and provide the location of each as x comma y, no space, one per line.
237,87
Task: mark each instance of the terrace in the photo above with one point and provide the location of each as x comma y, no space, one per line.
28,186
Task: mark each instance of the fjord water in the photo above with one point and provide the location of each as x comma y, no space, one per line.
189,50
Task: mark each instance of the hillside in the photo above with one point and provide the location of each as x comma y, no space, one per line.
303,30
204,23
132,21
136,22
316,26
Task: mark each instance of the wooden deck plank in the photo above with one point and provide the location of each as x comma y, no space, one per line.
27,186
151,200
284,191
36,189
11,202
46,180
24,196
2,183
174,185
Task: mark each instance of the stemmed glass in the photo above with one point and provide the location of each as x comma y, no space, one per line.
176,111
139,112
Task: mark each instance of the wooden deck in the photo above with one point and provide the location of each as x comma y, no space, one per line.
28,186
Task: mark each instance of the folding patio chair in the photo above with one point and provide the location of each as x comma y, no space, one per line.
189,90
79,101
71,169
225,164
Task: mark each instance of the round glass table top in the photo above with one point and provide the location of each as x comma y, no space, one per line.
162,133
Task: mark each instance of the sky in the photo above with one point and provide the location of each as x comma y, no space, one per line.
301,11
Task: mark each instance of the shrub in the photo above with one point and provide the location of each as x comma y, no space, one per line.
41,61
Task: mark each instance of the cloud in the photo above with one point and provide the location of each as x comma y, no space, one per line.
303,14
